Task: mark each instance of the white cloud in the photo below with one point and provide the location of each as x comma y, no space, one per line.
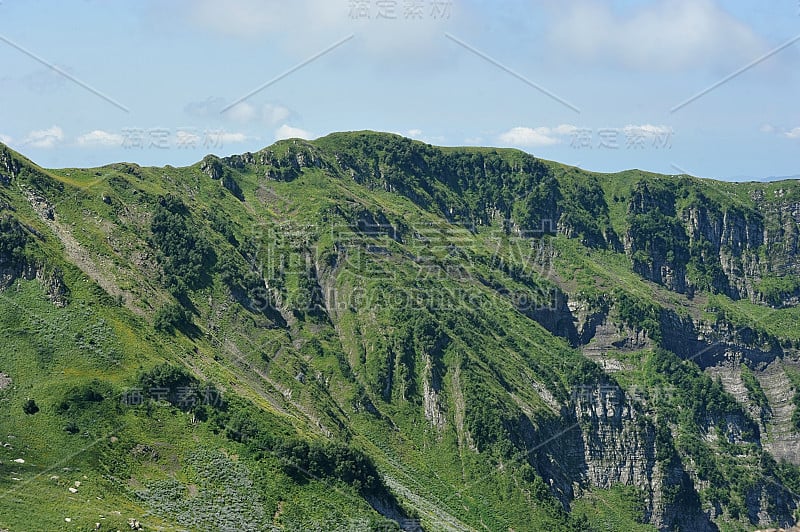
224,137
530,137
44,138
647,130
99,137
242,112
771,129
663,34
418,134
289,132
564,129
273,114
307,26
793,133
5,139
535,137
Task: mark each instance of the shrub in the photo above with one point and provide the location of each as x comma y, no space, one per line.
12,240
171,317
82,397
639,314
330,460
30,407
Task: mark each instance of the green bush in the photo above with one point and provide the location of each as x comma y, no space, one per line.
12,240
30,407
172,317
702,398
330,460
82,398
638,314
657,234
775,290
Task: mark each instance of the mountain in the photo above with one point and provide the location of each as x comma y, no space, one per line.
366,332
762,178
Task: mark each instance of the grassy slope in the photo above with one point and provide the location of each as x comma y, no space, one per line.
498,351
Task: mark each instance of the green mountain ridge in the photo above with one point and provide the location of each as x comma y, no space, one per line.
366,332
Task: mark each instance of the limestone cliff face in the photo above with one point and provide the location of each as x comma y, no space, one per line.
695,243
617,440
604,439
16,264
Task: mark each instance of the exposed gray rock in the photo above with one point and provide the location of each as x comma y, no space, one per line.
739,245
9,166
212,167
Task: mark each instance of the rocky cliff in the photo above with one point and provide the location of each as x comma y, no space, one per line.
680,237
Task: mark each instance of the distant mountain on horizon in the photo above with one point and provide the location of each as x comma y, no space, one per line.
739,179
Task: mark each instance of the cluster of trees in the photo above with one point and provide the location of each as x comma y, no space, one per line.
87,405
492,421
40,180
246,424
329,460
705,270
775,290
81,398
185,254
301,458
658,238
585,212
704,399
172,317
12,240
656,232
638,314
394,361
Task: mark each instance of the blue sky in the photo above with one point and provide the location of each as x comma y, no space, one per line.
706,87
